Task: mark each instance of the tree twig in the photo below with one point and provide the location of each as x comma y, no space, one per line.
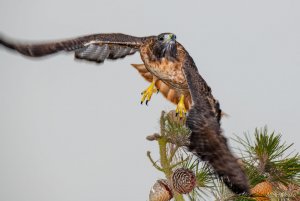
153,162
172,153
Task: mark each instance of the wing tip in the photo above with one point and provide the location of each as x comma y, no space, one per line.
5,42
216,152
240,188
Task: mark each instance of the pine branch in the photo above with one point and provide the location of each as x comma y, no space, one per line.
265,160
165,163
153,162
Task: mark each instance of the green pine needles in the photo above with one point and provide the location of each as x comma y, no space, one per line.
273,170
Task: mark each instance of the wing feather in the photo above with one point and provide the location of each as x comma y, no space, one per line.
207,140
97,47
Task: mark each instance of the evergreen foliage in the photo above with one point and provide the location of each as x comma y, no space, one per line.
273,170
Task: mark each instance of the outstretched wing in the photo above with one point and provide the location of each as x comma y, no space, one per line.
97,47
206,139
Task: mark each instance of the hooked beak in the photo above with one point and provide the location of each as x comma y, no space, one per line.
172,37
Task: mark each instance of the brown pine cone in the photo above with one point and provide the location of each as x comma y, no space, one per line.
261,190
183,181
161,191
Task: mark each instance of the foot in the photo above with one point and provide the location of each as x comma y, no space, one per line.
180,110
146,94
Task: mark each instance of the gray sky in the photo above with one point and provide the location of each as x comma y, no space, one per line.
72,131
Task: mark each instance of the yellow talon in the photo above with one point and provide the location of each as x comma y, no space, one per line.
147,94
180,107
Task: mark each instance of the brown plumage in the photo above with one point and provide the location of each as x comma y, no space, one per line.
99,47
172,94
206,139
169,64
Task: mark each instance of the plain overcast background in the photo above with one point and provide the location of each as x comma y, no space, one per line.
73,131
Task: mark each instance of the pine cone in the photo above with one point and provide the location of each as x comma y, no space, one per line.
161,191
183,180
261,190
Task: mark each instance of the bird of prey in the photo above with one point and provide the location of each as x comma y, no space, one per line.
162,62
172,71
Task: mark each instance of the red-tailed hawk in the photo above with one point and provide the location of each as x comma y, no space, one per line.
172,71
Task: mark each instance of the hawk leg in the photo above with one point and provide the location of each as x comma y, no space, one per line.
181,110
170,93
147,94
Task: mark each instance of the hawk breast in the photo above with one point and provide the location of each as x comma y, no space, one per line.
164,69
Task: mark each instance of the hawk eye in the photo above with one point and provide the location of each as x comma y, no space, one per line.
161,38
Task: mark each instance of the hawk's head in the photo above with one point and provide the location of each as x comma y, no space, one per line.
165,46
